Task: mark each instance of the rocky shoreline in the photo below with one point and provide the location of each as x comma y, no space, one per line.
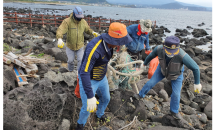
49,103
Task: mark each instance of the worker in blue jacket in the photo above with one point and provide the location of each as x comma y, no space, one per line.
92,78
172,60
140,35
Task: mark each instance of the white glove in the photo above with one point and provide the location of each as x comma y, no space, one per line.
60,43
197,88
95,34
143,67
91,104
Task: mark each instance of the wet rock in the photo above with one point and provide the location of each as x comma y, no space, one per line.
197,60
163,94
27,104
116,123
26,43
206,78
208,110
188,110
9,78
61,56
201,24
103,128
190,52
63,70
168,120
202,100
199,33
209,37
47,39
197,50
203,118
195,106
207,88
158,87
209,125
165,128
189,27
195,122
157,118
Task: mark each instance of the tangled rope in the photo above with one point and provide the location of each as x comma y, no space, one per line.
122,70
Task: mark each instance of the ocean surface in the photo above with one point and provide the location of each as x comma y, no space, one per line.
171,19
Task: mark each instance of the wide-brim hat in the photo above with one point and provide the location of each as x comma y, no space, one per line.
145,25
117,34
78,12
171,45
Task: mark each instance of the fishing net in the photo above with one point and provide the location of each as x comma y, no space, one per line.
123,71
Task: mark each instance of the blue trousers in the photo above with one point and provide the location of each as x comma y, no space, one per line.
102,90
71,55
176,88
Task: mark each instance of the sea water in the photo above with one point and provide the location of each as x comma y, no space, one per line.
171,19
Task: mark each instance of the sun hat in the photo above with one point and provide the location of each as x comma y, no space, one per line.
117,34
171,45
145,25
78,12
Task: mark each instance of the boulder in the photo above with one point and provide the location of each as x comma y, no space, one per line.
168,120
163,94
190,52
199,33
208,110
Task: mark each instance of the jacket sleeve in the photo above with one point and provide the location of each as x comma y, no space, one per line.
88,30
146,42
129,30
85,71
63,28
191,64
151,56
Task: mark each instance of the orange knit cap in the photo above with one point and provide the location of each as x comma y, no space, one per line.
117,30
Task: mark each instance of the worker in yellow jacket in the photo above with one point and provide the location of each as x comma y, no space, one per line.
74,26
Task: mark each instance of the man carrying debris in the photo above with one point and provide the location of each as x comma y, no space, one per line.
92,72
74,26
140,35
172,60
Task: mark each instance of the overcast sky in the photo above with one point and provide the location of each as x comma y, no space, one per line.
207,3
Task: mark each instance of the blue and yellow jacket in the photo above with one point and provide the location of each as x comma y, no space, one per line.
138,41
94,63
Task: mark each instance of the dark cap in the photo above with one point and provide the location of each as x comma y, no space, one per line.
78,12
171,45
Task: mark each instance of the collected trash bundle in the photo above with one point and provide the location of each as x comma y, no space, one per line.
124,71
27,62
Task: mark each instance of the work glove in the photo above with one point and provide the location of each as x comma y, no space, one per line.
197,88
60,43
95,34
92,104
143,67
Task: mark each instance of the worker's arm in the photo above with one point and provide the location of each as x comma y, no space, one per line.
88,30
129,30
63,28
191,64
146,42
151,56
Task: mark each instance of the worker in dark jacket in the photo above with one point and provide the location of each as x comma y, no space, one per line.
172,60
140,35
92,78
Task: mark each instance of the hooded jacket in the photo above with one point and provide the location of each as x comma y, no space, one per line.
74,30
94,63
138,41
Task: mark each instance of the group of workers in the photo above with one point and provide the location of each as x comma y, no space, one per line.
92,62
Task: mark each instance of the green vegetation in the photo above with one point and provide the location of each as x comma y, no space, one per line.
39,55
6,47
